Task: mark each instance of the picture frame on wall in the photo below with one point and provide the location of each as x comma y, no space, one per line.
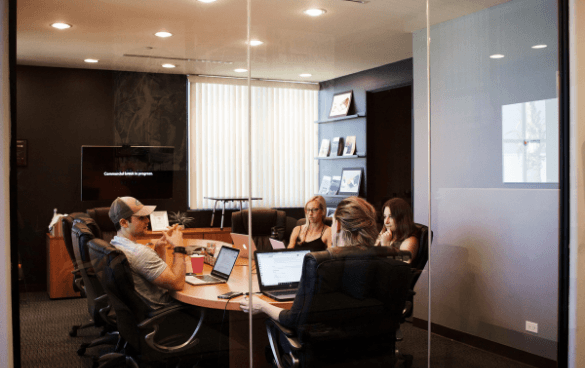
330,211
351,179
340,105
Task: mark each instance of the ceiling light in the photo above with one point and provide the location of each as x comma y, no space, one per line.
305,75
240,70
163,34
91,60
256,43
315,12
538,46
496,56
169,66
61,25
206,1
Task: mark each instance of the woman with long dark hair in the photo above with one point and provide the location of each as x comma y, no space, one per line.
399,230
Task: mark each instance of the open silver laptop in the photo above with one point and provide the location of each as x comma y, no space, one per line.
279,272
224,264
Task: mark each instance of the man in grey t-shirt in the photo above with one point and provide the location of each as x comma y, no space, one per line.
153,278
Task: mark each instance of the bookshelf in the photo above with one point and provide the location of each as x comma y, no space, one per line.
333,165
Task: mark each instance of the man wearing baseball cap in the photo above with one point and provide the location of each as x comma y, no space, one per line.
153,278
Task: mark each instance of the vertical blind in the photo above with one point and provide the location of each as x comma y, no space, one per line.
284,142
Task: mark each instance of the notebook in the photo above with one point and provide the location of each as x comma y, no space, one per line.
224,264
277,244
279,272
241,243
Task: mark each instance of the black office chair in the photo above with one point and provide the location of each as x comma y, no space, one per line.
151,336
417,267
67,224
102,218
82,232
346,310
263,222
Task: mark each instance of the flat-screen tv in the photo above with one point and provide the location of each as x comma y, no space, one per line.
143,172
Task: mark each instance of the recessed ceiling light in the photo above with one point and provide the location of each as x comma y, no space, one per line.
168,66
163,34
256,43
206,1
315,12
91,60
538,46
61,25
305,75
496,56
240,70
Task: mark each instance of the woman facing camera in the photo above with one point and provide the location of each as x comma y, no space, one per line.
399,230
314,234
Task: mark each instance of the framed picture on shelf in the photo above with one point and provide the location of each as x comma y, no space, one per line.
351,179
340,105
330,211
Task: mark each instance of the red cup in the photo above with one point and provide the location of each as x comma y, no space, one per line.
197,263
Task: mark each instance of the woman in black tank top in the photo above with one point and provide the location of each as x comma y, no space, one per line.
314,235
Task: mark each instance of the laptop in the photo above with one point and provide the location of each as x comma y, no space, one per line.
224,264
241,243
279,272
277,244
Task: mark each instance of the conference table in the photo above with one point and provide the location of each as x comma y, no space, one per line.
206,296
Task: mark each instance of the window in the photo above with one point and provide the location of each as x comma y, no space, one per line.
283,142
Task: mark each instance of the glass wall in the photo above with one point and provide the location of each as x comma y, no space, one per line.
286,71
494,177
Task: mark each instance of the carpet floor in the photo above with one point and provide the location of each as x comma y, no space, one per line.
45,340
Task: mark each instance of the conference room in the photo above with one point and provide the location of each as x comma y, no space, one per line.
247,93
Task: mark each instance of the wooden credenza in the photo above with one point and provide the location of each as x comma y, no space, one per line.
59,265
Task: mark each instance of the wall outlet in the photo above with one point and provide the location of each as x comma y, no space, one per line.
532,326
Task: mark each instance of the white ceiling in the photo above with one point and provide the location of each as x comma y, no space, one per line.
349,38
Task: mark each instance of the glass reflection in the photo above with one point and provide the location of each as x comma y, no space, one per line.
530,155
494,127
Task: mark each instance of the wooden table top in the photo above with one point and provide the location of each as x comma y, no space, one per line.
206,295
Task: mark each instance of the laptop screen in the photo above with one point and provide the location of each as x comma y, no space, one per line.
280,268
225,261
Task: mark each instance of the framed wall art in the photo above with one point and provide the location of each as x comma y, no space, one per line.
340,105
351,179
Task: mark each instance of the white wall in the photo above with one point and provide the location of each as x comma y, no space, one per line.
6,351
494,254
577,164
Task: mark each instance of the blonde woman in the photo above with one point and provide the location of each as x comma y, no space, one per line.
314,234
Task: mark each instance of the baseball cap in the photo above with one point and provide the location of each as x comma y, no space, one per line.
124,207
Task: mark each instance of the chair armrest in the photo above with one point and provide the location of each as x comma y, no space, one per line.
158,316
285,330
104,308
291,344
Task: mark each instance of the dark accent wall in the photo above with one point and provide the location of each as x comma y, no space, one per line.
373,82
59,110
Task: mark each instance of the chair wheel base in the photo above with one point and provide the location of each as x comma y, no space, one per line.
73,331
82,349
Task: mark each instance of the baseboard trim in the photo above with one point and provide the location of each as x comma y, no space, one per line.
487,345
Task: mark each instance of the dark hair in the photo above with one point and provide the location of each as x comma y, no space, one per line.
402,214
358,222
118,226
